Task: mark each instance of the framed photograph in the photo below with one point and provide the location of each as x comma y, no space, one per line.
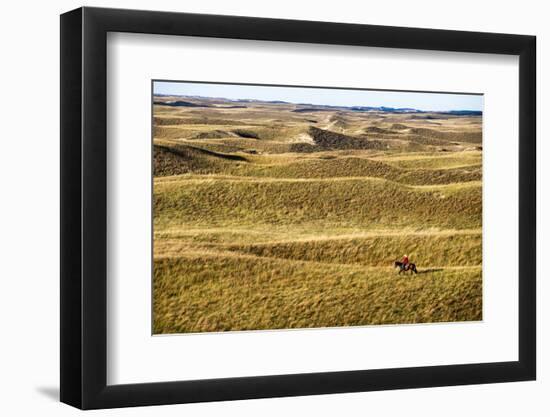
258,208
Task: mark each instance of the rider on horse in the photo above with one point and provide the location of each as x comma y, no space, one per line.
404,263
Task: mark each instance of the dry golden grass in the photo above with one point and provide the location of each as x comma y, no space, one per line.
249,234
203,291
353,202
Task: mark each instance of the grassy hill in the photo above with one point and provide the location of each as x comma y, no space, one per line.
271,216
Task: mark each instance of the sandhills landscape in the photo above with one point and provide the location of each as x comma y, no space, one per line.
277,215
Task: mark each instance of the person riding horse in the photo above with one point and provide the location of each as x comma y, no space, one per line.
405,263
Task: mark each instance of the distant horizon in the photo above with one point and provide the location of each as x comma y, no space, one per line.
342,97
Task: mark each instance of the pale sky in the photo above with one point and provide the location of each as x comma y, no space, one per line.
326,96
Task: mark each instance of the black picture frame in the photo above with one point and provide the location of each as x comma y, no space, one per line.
84,207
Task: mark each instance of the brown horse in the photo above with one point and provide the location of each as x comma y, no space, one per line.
410,267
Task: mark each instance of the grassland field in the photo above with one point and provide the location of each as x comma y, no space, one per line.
277,215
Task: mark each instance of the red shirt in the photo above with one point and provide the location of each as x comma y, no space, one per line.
405,260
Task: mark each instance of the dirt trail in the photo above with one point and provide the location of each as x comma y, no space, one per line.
176,250
195,178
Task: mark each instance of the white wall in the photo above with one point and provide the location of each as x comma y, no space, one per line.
29,237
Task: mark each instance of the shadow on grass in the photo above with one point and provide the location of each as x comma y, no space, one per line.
426,271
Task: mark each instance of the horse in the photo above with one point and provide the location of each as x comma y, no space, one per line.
410,267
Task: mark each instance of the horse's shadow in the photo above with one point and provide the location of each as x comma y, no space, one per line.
426,271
